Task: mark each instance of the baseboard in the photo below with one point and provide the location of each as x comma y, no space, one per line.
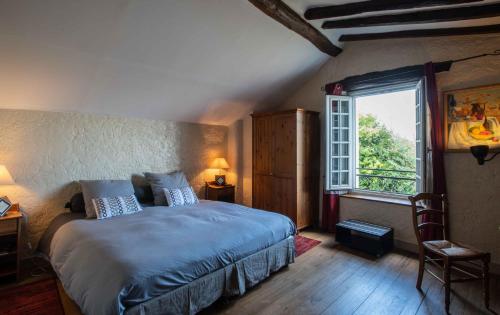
405,246
413,248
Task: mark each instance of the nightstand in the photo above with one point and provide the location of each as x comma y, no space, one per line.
219,193
10,243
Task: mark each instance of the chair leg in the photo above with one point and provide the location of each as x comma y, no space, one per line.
421,265
486,282
447,285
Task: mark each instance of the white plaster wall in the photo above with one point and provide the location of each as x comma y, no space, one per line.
247,161
235,158
473,190
240,159
48,152
381,213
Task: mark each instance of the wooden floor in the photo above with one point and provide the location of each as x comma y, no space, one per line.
329,279
332,280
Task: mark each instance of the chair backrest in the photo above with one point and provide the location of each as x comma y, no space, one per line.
429,218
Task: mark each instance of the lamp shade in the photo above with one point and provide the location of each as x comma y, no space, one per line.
220,163
5,178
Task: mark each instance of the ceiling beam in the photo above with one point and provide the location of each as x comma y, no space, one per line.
431,16
331,11
423,33
283,14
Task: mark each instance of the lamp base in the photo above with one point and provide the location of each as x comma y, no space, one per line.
220,180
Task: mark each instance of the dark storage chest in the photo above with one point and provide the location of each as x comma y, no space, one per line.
370,238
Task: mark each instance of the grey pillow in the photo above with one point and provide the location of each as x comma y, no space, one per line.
158,181
103,188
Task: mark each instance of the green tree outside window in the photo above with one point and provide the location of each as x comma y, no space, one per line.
386,160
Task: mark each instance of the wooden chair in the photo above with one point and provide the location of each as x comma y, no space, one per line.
445,254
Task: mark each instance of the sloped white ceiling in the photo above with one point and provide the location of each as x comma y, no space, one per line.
209,61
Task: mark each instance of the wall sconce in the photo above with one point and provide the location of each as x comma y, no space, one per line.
480,152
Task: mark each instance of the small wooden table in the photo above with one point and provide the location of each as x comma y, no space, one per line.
10,243
219,193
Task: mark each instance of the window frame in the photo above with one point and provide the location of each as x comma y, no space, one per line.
354,146
328,120
423,136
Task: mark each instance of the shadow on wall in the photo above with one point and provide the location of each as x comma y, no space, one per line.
38,210
230,111
198,146
235,147
47,154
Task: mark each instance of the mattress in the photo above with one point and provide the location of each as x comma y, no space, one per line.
110,266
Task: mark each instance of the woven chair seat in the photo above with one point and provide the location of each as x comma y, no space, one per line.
451,249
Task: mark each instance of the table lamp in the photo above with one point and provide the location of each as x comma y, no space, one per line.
220,163
5,179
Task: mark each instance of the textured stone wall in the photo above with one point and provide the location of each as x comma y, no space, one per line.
47,153
473,189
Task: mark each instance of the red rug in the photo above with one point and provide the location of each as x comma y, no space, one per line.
39,298
303,244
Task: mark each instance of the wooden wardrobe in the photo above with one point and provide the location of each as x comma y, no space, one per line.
286,164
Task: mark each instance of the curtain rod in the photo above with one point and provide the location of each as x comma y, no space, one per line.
494,53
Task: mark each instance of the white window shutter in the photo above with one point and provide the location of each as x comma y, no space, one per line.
339,122
420,137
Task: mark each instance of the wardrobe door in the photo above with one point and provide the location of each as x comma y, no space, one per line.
284,163
262,145
262,160
262,192
284,196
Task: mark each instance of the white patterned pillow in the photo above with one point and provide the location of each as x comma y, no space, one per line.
108,207
180,196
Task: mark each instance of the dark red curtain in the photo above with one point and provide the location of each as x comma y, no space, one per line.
331,208
437,146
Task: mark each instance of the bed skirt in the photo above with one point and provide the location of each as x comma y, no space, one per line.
231,280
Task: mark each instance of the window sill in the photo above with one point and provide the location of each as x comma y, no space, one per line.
383,199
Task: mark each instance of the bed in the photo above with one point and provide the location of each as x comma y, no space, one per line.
166,260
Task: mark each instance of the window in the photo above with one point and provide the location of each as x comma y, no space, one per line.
375,141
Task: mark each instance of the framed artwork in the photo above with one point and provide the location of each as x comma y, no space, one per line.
220,180
4,206
472,117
